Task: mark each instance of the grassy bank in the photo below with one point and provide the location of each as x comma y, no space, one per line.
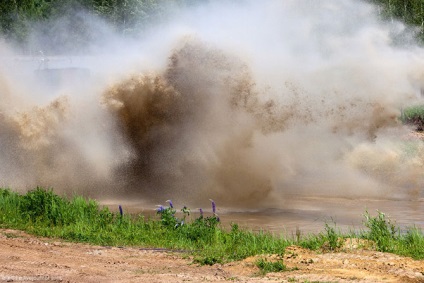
41,212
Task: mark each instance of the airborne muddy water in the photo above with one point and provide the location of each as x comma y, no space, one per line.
286,113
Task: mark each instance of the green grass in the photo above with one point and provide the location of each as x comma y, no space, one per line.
265,266
380,230
414,115
389,238
41,212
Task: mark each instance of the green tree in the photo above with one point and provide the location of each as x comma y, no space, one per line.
411,12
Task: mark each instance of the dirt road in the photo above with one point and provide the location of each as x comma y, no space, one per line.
24,258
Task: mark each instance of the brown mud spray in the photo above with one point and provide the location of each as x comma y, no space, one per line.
295,101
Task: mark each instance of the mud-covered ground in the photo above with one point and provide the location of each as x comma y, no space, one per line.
24,258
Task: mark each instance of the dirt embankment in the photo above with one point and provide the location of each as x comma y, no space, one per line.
24,258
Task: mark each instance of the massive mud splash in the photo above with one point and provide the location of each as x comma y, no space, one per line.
203,127
192,127
242,122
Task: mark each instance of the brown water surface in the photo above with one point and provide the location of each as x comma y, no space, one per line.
306,214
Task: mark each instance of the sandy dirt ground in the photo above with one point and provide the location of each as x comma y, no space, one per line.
25,258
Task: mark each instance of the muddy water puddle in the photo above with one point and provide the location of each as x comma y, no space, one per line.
310,215
307,215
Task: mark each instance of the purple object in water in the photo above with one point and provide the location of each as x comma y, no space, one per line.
213,206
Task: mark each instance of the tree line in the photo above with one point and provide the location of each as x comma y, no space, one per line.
410,12
18,18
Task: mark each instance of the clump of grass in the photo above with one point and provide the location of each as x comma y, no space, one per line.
381,231
11,235
412,244
389,238
238,244
414,115
312,241
330,240
266,266
334,239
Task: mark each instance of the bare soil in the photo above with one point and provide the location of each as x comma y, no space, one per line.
25,258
